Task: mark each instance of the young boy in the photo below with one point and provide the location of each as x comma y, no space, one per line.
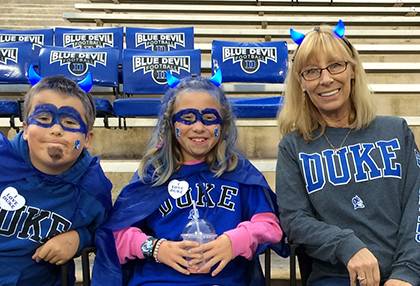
53,194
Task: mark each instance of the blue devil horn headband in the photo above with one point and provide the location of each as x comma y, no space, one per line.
33,76
173,81
85,84
296,36
338,30
216,79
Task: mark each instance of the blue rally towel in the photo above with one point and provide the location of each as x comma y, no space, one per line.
160,40
250,62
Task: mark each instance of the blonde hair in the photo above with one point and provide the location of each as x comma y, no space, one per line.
299,113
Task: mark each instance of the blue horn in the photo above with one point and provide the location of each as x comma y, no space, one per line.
171,80
86,83
339,29
216,79
296,36
33,76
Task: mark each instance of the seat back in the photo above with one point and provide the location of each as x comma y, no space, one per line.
160,40
89,38
250,62
144,72
15,59
74,64
38,37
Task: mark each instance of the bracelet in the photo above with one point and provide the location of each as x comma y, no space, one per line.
156,249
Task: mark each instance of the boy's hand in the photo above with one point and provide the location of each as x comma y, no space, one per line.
59,249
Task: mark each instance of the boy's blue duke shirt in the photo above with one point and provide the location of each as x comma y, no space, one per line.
78,199
156,213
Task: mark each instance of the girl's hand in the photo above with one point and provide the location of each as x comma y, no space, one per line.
175,254
218,251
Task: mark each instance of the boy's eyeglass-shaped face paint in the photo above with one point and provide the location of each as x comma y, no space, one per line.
47,115
189,116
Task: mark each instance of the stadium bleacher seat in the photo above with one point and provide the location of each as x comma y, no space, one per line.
75,63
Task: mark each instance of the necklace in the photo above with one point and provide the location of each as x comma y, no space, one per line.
335,148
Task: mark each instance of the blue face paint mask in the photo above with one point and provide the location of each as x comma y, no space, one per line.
189,116
47,115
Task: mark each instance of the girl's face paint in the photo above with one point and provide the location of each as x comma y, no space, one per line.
196,115
216,132
177,132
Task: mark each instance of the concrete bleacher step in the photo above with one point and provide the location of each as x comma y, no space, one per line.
45,1
270,21
396,3
244,9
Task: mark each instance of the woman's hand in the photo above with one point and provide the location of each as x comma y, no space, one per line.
175,254
59,249
218,251
363,267
396,282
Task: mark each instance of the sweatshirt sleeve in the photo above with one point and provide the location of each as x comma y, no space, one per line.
321,240
128,243
262,228
406,264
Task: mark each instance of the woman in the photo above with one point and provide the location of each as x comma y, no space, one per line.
347,180
191,160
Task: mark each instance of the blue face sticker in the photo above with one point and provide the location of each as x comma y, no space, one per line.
77,144
177,132
189,116
216,132
47,115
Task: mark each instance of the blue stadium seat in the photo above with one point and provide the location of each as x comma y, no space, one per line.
75,63
15,58
265,107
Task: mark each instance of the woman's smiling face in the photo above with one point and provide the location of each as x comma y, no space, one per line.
330,93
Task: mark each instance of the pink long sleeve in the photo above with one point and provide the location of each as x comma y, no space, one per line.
262,228
128,243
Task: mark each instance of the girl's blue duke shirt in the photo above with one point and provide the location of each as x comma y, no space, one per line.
142,205
78,199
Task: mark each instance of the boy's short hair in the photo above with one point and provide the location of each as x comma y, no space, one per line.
63,85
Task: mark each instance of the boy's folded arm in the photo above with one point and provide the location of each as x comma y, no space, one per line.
59,249
85,238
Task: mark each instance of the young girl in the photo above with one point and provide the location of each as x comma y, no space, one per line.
191,159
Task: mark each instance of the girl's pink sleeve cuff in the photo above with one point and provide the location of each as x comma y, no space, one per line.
128,243
262,228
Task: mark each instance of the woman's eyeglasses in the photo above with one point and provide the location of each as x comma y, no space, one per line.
315,73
